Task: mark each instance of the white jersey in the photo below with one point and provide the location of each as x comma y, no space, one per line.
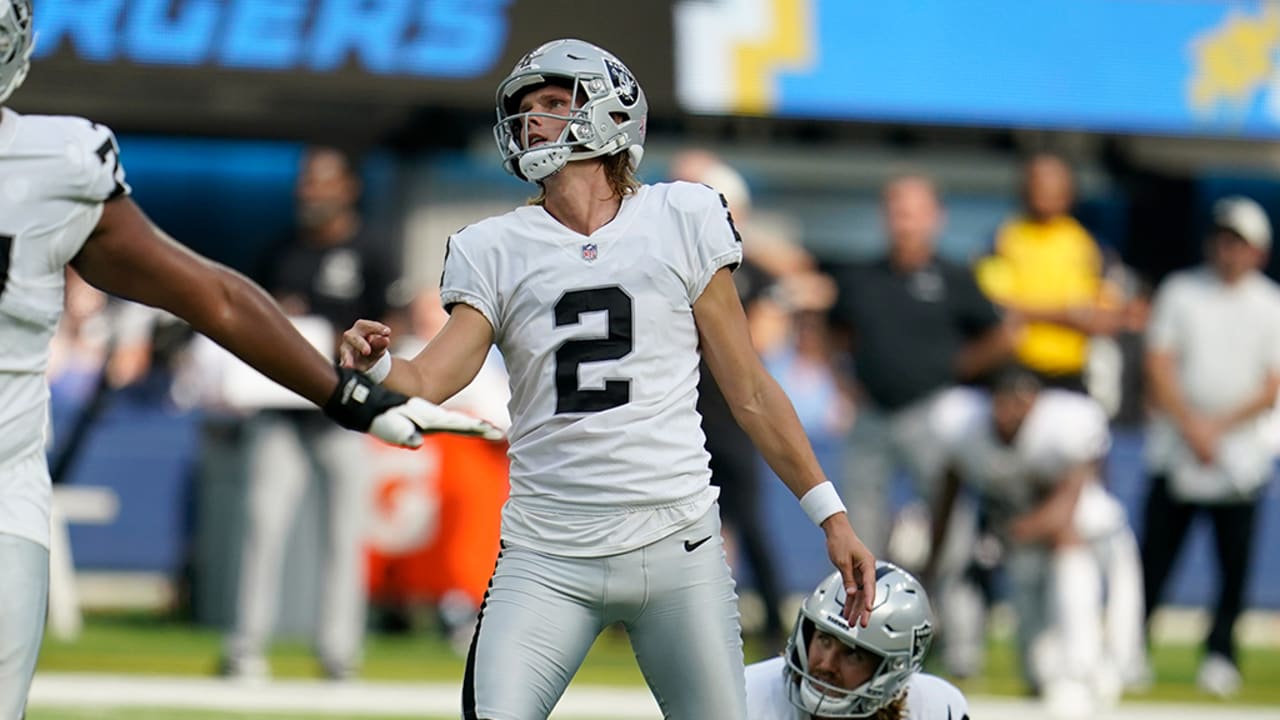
1062,431
55,173
607,452
928,697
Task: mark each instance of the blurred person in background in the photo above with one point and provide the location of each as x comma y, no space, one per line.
603,294
1213,364
465,484
910,325
833,670
1047,269
64,201
329,271
1116,367
734,465
1034,458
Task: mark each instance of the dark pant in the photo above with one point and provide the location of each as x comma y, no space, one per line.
1166,523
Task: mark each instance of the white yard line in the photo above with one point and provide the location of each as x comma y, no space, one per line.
71,690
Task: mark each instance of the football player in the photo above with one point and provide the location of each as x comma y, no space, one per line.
1034,457
64,201
832,669
599,295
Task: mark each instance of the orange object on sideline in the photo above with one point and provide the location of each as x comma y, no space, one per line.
436,519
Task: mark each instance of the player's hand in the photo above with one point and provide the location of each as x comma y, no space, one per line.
856,565
358,403
363,344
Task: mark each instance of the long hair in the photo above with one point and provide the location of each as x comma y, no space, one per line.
896,710
617,172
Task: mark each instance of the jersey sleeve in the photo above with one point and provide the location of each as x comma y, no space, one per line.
1162,329
99,173
713,239
1073,432
469,279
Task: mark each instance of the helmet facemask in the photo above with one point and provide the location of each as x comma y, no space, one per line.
16,44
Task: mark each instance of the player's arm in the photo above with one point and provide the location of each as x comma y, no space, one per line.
940,515
128,256
444,367
763,410
1050,521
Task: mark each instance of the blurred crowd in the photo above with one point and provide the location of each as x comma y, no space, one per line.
990,388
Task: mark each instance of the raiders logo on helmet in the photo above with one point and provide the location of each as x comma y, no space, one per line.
628,89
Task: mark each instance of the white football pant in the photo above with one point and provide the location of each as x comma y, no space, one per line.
24,596
675,598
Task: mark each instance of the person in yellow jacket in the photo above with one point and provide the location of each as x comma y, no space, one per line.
1047,269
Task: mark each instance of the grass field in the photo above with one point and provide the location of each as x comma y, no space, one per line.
146,645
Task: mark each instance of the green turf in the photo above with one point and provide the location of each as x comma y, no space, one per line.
147,644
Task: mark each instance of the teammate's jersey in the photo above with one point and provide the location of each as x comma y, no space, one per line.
607,453
928,697
55,173
1063,430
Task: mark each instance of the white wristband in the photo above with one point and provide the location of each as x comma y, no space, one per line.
821,502
381,369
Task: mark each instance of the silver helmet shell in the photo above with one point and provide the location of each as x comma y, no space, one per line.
608,118
16,43
899,632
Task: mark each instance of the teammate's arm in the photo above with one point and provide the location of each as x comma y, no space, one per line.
444,367
766,414
128,256
1050,521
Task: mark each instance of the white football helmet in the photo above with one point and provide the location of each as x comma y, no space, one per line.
608,117
899,632
15,45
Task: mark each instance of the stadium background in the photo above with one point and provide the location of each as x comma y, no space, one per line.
1163,105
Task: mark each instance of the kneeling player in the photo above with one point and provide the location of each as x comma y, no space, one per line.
832,669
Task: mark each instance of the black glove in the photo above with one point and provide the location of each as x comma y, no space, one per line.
357,403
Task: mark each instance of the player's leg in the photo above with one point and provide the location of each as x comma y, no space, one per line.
867,472
1076,605
344,456
1165,525
538,620
1233,538
1123,613
277,477
24,595
1026,568
685,630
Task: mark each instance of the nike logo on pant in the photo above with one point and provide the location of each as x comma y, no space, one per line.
691,546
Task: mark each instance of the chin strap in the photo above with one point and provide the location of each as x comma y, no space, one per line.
540,164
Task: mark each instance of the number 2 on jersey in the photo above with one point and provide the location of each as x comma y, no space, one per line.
6,252
616,304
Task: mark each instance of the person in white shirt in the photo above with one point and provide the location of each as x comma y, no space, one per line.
1213,366
1033,456
602,295
64,202
832,669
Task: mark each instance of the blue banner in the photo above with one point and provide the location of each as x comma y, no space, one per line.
1130,66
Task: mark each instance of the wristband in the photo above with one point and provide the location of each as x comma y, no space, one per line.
380,370
821,502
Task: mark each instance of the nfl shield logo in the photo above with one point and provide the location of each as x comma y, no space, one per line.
589,252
